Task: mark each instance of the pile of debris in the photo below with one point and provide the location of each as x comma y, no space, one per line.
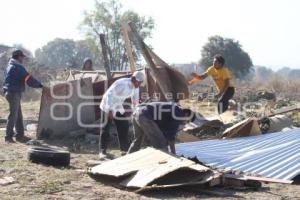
204,128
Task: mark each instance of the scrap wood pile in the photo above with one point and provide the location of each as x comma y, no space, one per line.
238,126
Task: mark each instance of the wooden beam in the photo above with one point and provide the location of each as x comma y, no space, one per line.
128,47
255,178
285,110
105,58
163,82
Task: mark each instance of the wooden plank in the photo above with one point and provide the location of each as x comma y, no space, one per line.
155,187
285,110
128,47
255,178
105,58
269,180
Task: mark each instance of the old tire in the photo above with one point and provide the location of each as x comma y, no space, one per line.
49,156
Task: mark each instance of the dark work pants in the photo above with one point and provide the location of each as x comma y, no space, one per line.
223,101
15,117
145,127
122,125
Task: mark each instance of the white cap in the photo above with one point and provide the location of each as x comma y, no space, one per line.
139,76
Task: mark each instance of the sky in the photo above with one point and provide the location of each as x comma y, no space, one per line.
267,29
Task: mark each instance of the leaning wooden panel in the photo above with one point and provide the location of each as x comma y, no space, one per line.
65,107
178,81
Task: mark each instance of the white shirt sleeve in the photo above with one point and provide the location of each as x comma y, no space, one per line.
135,98
114,93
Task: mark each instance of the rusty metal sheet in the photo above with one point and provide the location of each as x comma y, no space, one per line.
65,106
152,167
178,82
178,85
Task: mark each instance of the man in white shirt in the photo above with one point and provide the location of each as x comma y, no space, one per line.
112,109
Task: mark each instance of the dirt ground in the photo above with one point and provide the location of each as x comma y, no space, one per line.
34,181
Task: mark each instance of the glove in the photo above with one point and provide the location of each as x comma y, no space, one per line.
195,79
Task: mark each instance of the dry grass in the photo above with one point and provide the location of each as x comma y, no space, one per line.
282,87
29,108
35,181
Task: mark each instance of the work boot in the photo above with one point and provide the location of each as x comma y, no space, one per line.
23,139
123,153
102,154
9,140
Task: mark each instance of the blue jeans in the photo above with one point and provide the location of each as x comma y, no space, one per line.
15,117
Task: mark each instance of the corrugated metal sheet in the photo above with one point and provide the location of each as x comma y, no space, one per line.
154,168
275,155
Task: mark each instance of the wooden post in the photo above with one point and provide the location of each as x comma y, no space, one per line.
163,82
105,58
128,48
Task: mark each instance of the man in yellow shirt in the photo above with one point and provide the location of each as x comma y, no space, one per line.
222,79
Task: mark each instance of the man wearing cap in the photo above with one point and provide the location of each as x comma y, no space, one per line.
14,84
112,110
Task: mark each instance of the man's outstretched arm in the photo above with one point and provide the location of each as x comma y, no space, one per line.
197,77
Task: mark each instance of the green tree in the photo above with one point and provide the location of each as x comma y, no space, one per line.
65,53
106,19
236,59
87,49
